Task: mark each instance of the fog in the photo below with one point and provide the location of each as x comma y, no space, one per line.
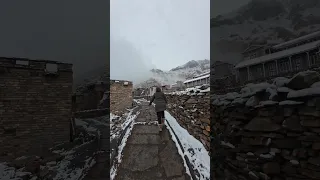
128,63
164,34
73,31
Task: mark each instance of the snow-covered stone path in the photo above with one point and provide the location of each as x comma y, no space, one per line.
150,154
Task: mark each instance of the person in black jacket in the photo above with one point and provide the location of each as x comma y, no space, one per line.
160,102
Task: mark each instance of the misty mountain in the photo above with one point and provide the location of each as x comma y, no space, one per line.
180,73
262,22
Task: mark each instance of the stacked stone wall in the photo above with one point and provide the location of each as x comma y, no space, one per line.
268,131
35,106
192,113
121,96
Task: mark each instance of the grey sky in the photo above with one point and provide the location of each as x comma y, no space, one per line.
219,7
73,31
159,34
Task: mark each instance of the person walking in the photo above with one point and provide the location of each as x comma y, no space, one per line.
160,102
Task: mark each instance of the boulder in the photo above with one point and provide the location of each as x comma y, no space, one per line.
303,80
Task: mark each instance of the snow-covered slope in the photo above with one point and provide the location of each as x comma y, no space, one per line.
180,73
261,22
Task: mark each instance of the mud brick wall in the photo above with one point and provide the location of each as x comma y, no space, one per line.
192,113
120,96
35,106
268,131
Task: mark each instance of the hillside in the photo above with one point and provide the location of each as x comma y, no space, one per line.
261,22
180,73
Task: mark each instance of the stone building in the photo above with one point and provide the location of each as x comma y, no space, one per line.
265,62
121,96
198,80
35,101
89,96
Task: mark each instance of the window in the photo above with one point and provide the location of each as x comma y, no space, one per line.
271,69
296,64
284,66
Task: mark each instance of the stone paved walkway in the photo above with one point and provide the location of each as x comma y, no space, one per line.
150,154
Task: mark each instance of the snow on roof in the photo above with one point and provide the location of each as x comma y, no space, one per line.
203,74
198,78
297,40
277,55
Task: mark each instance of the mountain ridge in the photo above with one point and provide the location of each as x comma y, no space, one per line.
281,20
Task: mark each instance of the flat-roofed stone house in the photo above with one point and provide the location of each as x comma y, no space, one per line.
266,62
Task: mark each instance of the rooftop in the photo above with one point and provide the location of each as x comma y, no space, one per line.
198,78
278,55
297,40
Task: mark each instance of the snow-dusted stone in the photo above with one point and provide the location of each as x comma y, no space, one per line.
280,81
316,84
262,124
239,101
284,90
289,102
304,93
266,103
303,80
252,102
231,96
252,89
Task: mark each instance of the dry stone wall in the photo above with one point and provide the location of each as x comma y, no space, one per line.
192,112
121,96
268,131
35,106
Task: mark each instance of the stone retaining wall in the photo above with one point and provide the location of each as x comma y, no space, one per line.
268,131
192,113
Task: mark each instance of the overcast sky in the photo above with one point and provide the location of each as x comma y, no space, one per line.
74,31
159,34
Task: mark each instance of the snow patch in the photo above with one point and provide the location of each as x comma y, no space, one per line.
193,149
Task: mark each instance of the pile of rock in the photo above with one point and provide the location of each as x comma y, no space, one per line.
269,131
192,113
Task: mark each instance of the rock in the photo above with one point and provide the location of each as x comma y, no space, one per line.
310,122
309,111
252,102
316,146
303,80
314,160
271,168
262,124
288,169
205,120
287,143
292,123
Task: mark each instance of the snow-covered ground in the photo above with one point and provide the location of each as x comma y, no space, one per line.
198,90
192,148
116,133
76,160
